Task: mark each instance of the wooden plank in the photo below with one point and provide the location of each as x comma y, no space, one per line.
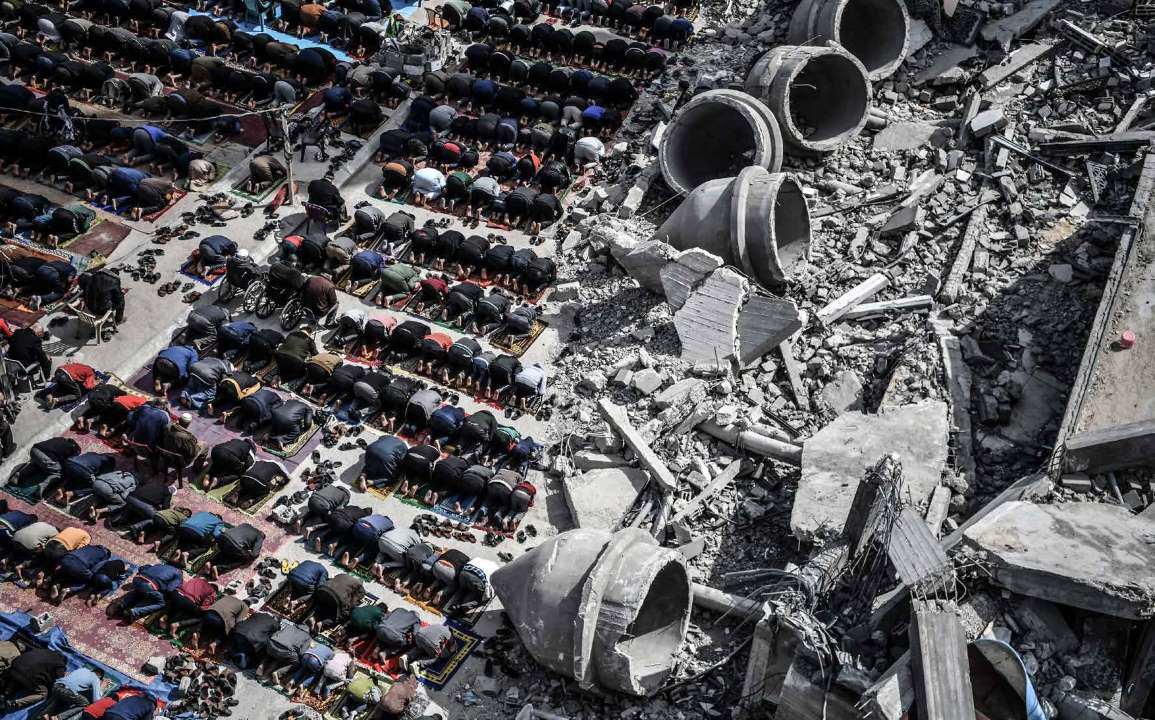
1019,59
616,416
942,680
843,304
755,688
714,487
801,399
905,304
975,226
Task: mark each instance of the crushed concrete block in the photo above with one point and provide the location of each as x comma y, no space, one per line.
835,458
1063,273
565,292
593,382
1007,29
588,460
1046,624
623,376
903,220
763,324
1087,555
910,136
598,498
647,381
987,122
843,393
680,392
919,36
685,271
645,261
707,324
485,685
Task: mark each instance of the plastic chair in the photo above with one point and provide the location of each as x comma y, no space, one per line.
87,319
316,213
24,373
171,462
139,452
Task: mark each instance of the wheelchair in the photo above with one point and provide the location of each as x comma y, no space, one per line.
263,298
237,282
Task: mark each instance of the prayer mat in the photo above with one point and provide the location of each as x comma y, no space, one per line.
153,217
336,711
517,346
429,314
278,602
209,280
365,290
103,238
116,381
90,631
437,675
297,446
168,552
315,701
227,493
221,170
28,493
385,492
257,198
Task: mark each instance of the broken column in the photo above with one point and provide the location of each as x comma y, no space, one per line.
715,135
757,221
835,458
877,32
608,609
819,95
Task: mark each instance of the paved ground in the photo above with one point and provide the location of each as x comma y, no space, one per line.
152,321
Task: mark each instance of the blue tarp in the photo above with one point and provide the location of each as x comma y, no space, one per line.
15,623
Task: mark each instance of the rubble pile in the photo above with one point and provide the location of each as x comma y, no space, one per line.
833,313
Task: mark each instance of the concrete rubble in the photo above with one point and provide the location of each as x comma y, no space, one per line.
844,357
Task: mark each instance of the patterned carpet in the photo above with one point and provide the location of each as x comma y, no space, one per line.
89,629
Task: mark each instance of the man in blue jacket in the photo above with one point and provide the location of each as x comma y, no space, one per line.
148,592
170,369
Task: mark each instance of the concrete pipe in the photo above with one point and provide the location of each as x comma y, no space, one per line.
820,95
757,221
607,609
715,135
877,32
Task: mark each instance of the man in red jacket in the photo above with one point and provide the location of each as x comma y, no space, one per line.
69,383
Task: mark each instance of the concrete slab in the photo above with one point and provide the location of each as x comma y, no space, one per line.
685,271
598,498
1088,555
678,393
1013,26
843,393
707,324
910,136
835,458
585,460
763,324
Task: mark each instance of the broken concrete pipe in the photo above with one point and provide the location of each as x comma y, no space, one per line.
819,95
714,136
757,221
608,609
877,32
